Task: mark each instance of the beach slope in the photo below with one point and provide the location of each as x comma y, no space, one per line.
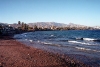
16,54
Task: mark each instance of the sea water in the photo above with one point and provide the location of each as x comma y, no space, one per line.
71,42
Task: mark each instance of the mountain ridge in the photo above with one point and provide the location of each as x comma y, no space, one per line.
56,24
47,24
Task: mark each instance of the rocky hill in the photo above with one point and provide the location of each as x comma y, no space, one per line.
47,24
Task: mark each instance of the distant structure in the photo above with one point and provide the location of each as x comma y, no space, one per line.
19,22
21,26
6,29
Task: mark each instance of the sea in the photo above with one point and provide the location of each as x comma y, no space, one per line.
84,45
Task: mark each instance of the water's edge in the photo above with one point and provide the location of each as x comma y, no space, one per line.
86,52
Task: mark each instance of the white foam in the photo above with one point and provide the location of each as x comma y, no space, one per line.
46,43
30,40
81,48
89,39
74,41
52,35
38,41
80,42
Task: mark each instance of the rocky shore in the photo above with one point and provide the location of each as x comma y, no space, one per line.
16,54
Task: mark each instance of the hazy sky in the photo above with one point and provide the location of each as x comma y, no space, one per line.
85,12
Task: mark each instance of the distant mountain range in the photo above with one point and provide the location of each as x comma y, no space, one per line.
50,24
47,24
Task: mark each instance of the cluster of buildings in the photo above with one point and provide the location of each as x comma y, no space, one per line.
11,29
5,29
20,27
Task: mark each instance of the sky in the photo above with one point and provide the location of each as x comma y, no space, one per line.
84,12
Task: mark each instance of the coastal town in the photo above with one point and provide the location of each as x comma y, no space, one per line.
50,33
16,54
20,27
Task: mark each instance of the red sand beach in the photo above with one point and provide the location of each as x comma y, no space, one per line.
16,54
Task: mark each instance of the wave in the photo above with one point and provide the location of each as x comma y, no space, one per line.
46,43
51,35
88,39
51,44
81,48
91,39
31,40
74,41
80,42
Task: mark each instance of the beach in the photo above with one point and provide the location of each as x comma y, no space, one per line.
16,54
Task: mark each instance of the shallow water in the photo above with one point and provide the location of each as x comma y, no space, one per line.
77,42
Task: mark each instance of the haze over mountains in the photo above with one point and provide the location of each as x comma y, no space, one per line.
50,24
47,24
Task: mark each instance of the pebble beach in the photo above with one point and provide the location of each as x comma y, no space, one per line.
16,54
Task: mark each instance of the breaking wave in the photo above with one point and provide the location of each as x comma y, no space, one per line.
80,42
51,44
81,48
88,39
91,39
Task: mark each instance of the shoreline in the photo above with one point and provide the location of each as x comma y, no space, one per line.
14,53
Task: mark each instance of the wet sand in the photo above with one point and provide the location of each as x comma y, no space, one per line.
16,54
